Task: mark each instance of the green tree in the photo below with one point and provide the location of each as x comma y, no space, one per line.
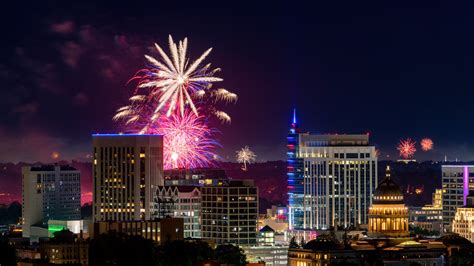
230,254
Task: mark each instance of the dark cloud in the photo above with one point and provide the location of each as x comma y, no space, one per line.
65,27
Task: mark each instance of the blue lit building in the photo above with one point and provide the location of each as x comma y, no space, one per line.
331,179
295,178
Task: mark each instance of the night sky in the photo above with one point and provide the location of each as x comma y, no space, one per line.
395,69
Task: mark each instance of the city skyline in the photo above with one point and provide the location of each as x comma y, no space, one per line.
402,89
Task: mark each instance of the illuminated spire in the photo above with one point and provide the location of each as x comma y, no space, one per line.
387,172
294,115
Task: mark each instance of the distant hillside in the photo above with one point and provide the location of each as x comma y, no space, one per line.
270,177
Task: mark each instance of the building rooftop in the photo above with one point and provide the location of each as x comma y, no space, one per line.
43,168
267,228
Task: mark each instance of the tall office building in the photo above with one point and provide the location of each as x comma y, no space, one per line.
181,202
230,213
49,193
331,179
127,170
457,181
295,178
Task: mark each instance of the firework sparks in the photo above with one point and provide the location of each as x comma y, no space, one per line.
245,156
173,81
426,144
174,98
407,148
187,139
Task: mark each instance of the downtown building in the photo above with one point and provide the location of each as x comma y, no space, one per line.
127,170
230,212
49,192
180,202
331,179
457,181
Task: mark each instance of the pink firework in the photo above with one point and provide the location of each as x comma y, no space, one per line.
426,144
407,148
187,141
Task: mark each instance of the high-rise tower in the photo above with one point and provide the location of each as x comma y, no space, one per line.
331,179
128,168
295,177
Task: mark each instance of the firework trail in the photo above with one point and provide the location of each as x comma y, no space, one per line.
245,156
406,148
426,144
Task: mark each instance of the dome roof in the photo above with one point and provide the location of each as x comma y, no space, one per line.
388,191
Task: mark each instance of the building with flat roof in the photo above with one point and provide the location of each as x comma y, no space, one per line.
127,169
230,213
331,179
457,181
166,229
50,192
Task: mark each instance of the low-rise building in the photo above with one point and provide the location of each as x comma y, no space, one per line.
166,229
66,248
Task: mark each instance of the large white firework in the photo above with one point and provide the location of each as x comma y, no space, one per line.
245,156
176,81
170,85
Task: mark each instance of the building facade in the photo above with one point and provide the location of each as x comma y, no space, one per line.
66,248
457,181
339,178
230,213
127,170
428,217
463,222
167,229
181,202
49,193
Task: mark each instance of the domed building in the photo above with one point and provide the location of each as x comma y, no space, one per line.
388,215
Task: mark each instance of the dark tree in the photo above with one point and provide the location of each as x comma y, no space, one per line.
302,243
7,253
184,253
293,243
230,254
120,249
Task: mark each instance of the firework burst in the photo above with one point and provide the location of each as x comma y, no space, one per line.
407,148
245,156
426,144
175,98
188,141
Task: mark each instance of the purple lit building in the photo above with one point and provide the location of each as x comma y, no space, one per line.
457,180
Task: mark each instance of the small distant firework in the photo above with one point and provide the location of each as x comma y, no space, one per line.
407,148
245,156
426,144
188,141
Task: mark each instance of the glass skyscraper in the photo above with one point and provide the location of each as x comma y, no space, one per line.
331,179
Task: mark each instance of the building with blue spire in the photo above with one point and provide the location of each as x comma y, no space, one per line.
295,177
331,179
